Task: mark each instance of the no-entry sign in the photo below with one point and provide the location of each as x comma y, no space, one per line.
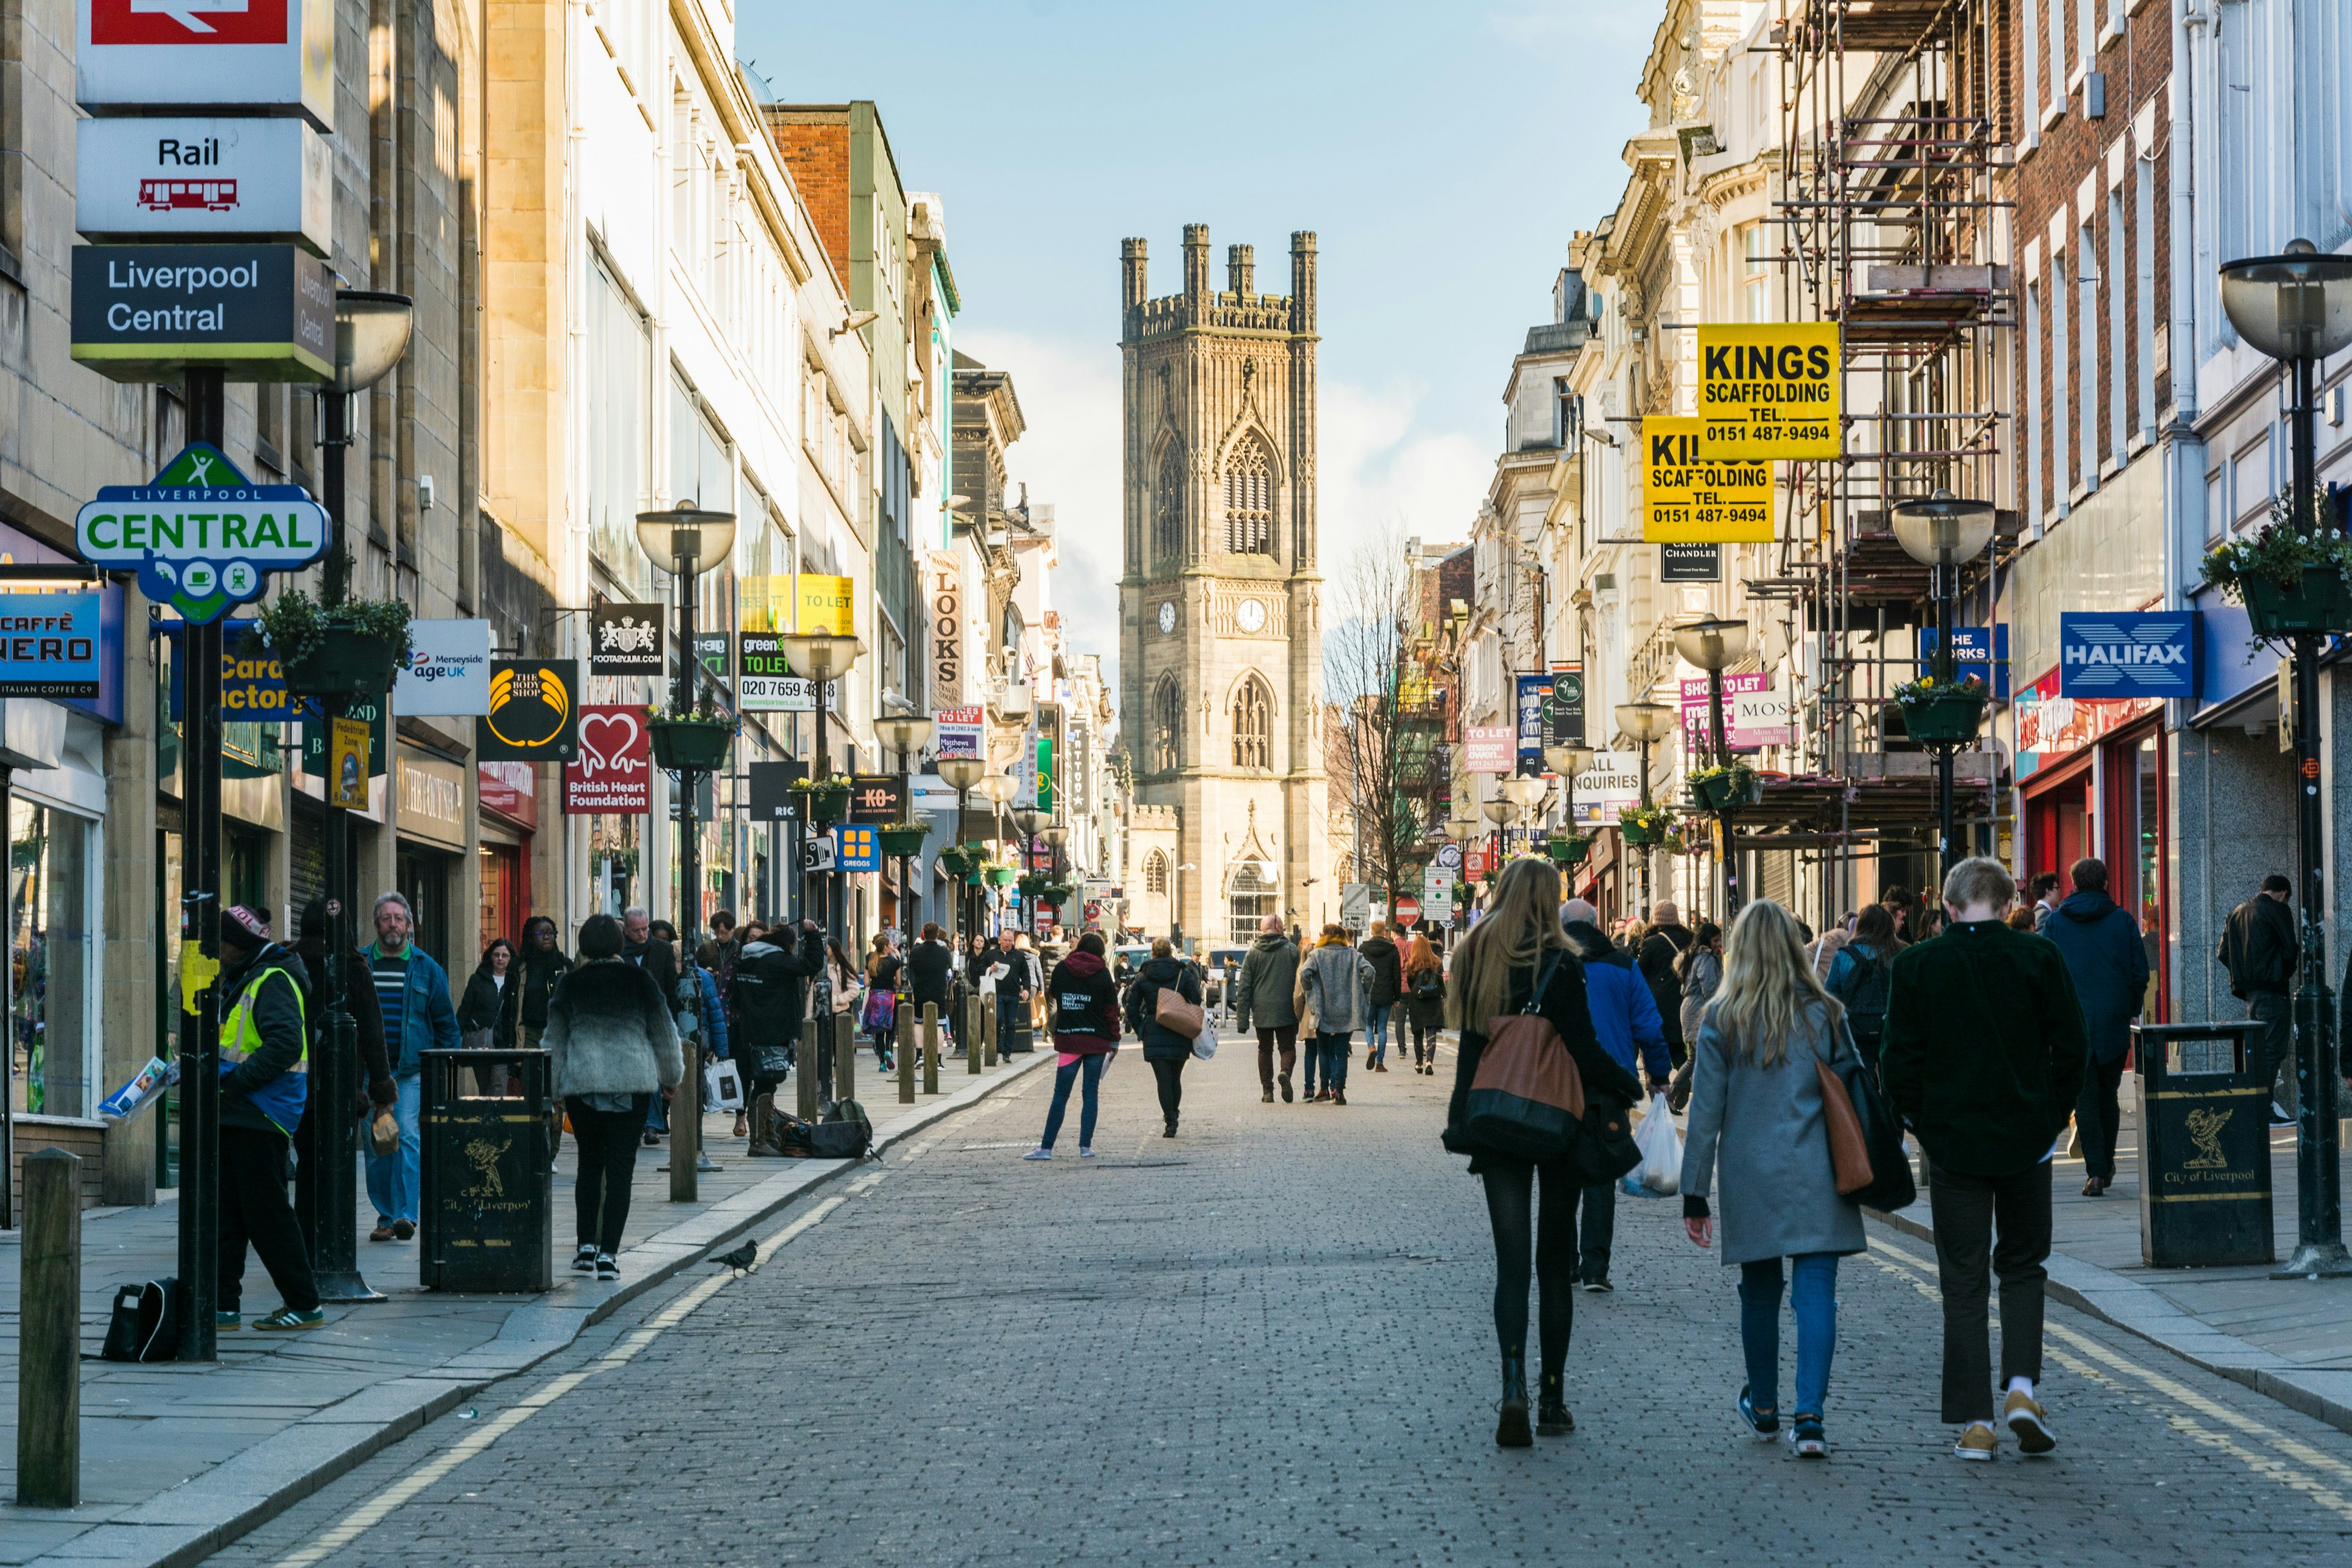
1408,910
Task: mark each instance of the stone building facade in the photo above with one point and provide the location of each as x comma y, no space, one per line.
1220,634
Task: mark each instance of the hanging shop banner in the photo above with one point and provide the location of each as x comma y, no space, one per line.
347,763
201,536
369,709
1608,786
1491,748
1755,712
857,848
943,586
826,603
511,789
1690,563
142,179
147,313
1046,775
958,732
1687,498
1534,692
250,54
768,684
711,649
1563,713
2108,654
614,770
764,603
49,645
625,639
773,796
878,797
448,671
532,716
1980,651
253,685
1769,390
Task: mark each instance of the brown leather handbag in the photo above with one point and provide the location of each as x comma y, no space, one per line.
1527,1098
1849,1150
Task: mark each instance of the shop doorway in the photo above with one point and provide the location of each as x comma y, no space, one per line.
423,876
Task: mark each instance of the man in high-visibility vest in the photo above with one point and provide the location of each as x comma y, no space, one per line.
265,1079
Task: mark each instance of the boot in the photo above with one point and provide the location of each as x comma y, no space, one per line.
1552,1419
1511,1430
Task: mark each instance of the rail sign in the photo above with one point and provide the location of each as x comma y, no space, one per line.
1687,498
203,179
200,535
1769,390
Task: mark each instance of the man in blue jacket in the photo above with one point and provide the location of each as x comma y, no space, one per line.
1625,1017
414,994
2108,962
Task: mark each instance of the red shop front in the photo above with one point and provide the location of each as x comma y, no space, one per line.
2091,779
509,795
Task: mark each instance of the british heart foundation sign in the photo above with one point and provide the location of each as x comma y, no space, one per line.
615,767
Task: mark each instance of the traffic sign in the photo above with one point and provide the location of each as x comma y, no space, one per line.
1408,910
1687,498
202,535
1769,390
816,852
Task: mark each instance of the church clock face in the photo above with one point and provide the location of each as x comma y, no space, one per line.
1168,618
1250,615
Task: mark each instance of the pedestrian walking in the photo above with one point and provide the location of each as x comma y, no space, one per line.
1519,954
1380,993
264,1086
543,964
1425,1002
484,1023
2260,947
413,992
2107,960
1011,971
931,974
1863,975
1698,970
380,1093
771,993
614,1046
1337,981
1756,1119
879,1018
1626,1021
1166,1050
1266,1002
1983,1058
647,948
1659,947
2045,892
1085,1026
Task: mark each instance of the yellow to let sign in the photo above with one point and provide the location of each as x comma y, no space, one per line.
826,603
1690,499
1770,390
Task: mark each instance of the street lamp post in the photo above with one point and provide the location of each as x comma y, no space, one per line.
2297,307
687,541
1527,791
905,733
1056,837
961,773
1027,821
1568,762
1939,532
1714,645
821,657
1645,723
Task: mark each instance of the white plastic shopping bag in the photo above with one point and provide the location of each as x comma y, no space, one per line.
1661,1149
726,1084
1204,1045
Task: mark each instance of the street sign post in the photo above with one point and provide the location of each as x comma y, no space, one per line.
200,534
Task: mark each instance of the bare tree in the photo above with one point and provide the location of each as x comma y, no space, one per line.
1382,747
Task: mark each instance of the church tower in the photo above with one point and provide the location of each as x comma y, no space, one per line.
1221,640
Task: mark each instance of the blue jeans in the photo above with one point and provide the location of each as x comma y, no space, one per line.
1333,1050
1376,1031
392,1178
1312,1062
1812,1296
1091,1068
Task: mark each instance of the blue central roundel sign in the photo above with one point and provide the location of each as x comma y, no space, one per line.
202,535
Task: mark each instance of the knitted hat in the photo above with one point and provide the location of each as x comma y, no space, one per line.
247,927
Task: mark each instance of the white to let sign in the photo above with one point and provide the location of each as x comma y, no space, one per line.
1491,748
219,53
1755,712
958,732
203,179
1612,783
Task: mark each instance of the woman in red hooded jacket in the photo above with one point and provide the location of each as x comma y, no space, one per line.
1082,1003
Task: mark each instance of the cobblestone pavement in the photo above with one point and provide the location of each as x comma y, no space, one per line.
1268,1341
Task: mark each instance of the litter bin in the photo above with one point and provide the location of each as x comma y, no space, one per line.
2204,1145
487,1185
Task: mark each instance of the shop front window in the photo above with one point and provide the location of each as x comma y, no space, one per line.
50,954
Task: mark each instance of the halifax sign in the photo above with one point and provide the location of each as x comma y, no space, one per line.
2127,655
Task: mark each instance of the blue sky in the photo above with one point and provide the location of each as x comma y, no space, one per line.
1442,154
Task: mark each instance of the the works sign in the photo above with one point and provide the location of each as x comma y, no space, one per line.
2147,653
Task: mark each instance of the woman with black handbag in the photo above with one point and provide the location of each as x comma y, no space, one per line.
1757,1114
1516,960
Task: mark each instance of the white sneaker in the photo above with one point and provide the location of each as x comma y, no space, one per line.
1038,1154
584,1260
1085,1153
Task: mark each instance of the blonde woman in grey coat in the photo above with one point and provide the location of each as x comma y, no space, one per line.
1756,1117
1335,979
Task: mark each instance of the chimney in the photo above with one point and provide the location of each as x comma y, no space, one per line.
1302,281
1130,273
1240,270
1196,261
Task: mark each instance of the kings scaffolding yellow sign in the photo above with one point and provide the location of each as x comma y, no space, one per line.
1690,499
1769,390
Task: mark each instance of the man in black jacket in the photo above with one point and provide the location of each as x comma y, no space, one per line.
375,1067
264,1050
1017,977
769,993
1667,941
2261,948
1982,1053
931,974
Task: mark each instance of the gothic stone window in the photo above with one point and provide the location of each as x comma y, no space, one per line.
1253,725
1249,900
1168,509
1155,873
1249,502
1167,725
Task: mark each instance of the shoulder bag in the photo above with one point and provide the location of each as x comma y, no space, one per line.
1871,1168
1172,1013
1527,1098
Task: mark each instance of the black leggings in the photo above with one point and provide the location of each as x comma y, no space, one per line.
1170,1075
608,1158
1424,1036
1510,1202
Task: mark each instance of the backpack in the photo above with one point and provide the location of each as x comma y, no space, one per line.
1429,984
1865,991
845,1133
146,1322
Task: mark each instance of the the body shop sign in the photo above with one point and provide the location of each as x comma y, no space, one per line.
242,54
202,537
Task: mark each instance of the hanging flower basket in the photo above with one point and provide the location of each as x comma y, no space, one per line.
828,799
960,860
692,743
904,839
1644,824
2319,600
1003,876
2288,582
1942,712
1721,788
1569,849
349,649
